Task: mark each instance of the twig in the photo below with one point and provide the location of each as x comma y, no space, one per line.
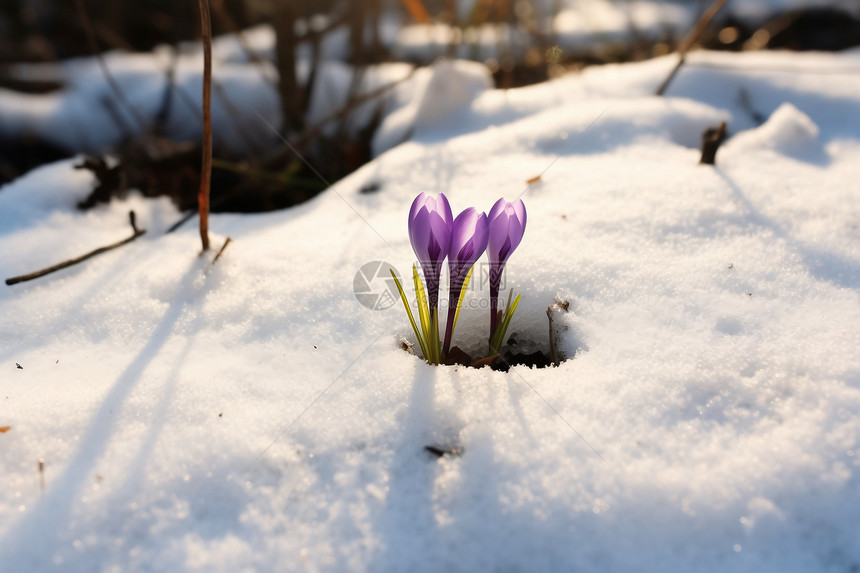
221,250
711,140
361,14
311,82
227,21
116,117
561,305
439,452
112,83
488,361
206,167
234,117
108,36
315,130
312,35
691,38
284,21
746,105
167,99
216,202
552,356
417,10
185,218
136,233
238,122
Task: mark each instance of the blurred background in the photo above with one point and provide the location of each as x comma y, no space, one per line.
298,50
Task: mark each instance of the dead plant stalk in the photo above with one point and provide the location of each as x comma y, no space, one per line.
206,167
690,40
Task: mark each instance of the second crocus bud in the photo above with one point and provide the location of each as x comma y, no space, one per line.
507,223
430,226
468,242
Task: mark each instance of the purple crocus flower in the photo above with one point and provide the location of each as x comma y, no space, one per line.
468,243
430,226
507,223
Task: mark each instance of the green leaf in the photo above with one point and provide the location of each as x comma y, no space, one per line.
429,324
409,312
508,316
499,336
423,308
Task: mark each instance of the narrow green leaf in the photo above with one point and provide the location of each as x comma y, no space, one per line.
429,324
409,312
423,308
508,316
499,336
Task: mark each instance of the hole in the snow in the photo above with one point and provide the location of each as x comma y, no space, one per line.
538,344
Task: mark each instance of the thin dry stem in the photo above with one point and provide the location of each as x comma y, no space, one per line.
28,277
689,40
112,83
206,167
417,10
221,250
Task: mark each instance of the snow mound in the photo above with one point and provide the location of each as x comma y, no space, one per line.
788,131
439,91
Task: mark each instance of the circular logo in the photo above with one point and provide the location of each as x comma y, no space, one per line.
373,286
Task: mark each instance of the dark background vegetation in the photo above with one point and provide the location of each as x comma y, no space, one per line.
52,30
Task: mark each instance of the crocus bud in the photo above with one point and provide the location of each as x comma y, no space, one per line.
430,227
468,243
507,223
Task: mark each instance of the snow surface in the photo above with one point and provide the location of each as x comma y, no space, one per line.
251,415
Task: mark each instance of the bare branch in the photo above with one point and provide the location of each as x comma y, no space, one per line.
136,233
206,167
689,40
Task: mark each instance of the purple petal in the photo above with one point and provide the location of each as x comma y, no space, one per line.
441,232
497,208
515,232
520,209
444,209
463,230
507,225
498,234
505,250
430,225
465,254
419,235
419,202
434,249
481,236
468,242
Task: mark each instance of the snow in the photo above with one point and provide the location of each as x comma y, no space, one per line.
251,415
585,24
244,93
